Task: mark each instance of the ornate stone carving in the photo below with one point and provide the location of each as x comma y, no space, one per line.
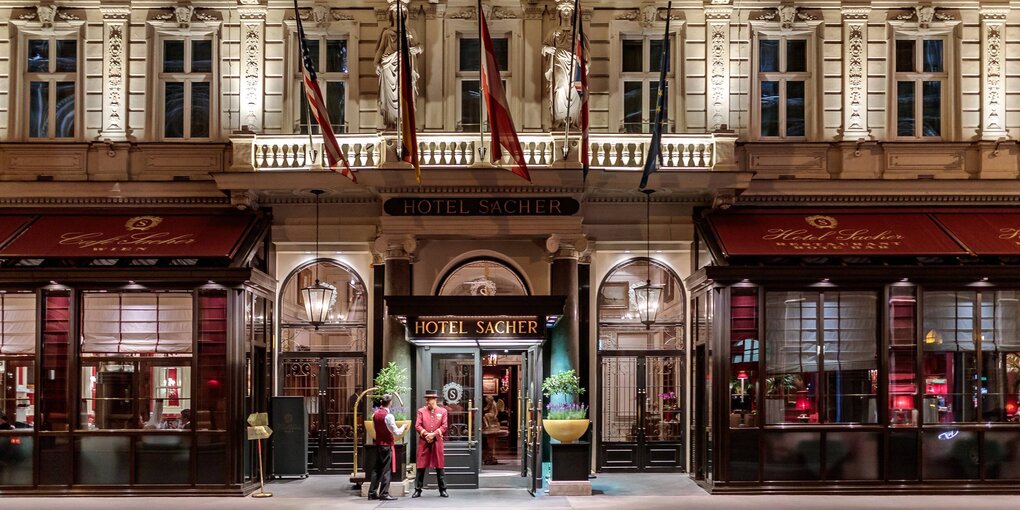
46,14
628,15
559,60
115,75
499,12
318,14
993,86
66,16
855,78
718,77
252,69
387,65
341,16
184,13
925,15
787,15
463,13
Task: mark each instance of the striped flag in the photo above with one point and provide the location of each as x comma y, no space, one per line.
334,156
654,154
409,137
582,87
501,125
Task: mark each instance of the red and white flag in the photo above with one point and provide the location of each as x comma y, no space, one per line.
501,125
334,156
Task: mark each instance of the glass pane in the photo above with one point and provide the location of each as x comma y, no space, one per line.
853,455
743,459
65,109
39,109
793,455
102,460
38,56
454,376
933,56
619,303
744,352
173,56
301,379
850,348
655,49
336,99
902,315
951,454
632,106
345,379
173,124
770,108
1001,456
17,395
796,55
56,341
135,395
791,357
632,54
768,55
905,108
200,109
619,399
212,458
201,56
902,448
501,47
163,459
211,404
17,464
664,406
470,108
468,60
336,56
931,108
950,363
795,108
67,55
905,55
313,51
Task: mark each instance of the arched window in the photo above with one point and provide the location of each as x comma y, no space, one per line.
346,329
483,277
641,369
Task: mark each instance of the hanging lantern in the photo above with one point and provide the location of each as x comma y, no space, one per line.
318,302
648,297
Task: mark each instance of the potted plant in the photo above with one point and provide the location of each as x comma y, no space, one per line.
565,421
391,380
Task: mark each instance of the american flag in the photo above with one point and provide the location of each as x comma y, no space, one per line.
334,156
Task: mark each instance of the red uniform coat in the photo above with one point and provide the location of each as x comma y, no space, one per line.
430,455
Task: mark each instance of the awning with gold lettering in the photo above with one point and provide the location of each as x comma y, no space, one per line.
149,235
840,232
985,232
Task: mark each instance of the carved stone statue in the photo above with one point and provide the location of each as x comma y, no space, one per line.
559,53
387,66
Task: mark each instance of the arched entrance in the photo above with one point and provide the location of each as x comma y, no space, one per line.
641,371
326,366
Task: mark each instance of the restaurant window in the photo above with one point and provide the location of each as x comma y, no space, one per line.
469,96
745,352
17,359
783,79
136,353
329,56
51,74
640,67
921,78
902,309
971,356
821,357
186,86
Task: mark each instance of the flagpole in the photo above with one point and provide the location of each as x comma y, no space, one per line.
399,20
481,75
570,77
308,107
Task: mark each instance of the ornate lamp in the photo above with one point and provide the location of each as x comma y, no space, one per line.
319,297
648,295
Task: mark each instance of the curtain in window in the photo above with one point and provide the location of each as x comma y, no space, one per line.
850,331
17,323
137,323
791,335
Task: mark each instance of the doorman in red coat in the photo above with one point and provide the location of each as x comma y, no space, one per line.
431,426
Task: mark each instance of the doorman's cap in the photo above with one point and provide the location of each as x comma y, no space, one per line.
431,394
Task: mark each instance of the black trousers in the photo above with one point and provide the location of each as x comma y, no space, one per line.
419,478
381,471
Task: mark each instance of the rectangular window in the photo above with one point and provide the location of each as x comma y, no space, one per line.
783,78
186,85
921,79
51,72
137,323
902,356
821,357
17,358
329,55
744,352
640,68
468,68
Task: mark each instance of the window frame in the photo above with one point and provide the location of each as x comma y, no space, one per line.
506,76
324,76
64,31
810,31
188,78
945,29
621,30
156,102
511,30
918,76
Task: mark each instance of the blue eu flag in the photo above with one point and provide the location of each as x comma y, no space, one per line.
653,158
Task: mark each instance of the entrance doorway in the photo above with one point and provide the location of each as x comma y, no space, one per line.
329,385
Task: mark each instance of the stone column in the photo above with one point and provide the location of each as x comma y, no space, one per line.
717,33
116,17
253,30
563,276
993,77
396,252
855,74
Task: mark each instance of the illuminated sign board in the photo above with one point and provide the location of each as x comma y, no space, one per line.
468,328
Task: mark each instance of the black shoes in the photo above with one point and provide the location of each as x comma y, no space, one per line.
443,494
372,496
417,493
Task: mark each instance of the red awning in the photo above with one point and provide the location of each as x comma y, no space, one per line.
9,225
831,232
985,232
159,235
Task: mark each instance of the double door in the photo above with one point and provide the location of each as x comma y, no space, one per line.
641,422
329,386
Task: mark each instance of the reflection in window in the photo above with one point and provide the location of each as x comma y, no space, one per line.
620,326
468,66
51,73
920,86
329,56
17,360
782,75
346,328
186,77
640,68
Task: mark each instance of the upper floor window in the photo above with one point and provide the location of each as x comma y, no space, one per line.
782,86
471,113
186,82
640,67
329,55
921,80
51,73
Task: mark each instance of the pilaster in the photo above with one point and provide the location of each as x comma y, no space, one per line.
252,41
717,28
116,16
855,83
433,57
993,67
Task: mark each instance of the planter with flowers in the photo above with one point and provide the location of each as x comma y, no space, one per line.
393,381
565,420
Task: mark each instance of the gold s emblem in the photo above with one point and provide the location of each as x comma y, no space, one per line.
821,221
143,222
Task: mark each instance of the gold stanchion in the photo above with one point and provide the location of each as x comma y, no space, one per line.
259,430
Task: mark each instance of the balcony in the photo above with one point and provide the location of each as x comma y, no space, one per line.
622,152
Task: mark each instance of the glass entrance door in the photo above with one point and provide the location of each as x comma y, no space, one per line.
531,419
455,374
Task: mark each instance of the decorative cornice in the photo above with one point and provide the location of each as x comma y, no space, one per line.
112,201
875,199
718,13
994,14
115,12
855,13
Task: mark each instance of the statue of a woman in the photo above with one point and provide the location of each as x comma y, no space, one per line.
559,53
387,66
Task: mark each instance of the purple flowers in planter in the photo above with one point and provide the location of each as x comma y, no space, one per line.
566,411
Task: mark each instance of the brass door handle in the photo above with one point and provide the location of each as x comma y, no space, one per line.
471,413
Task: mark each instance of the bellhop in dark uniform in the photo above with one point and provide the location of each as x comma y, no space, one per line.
386,431
431,425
